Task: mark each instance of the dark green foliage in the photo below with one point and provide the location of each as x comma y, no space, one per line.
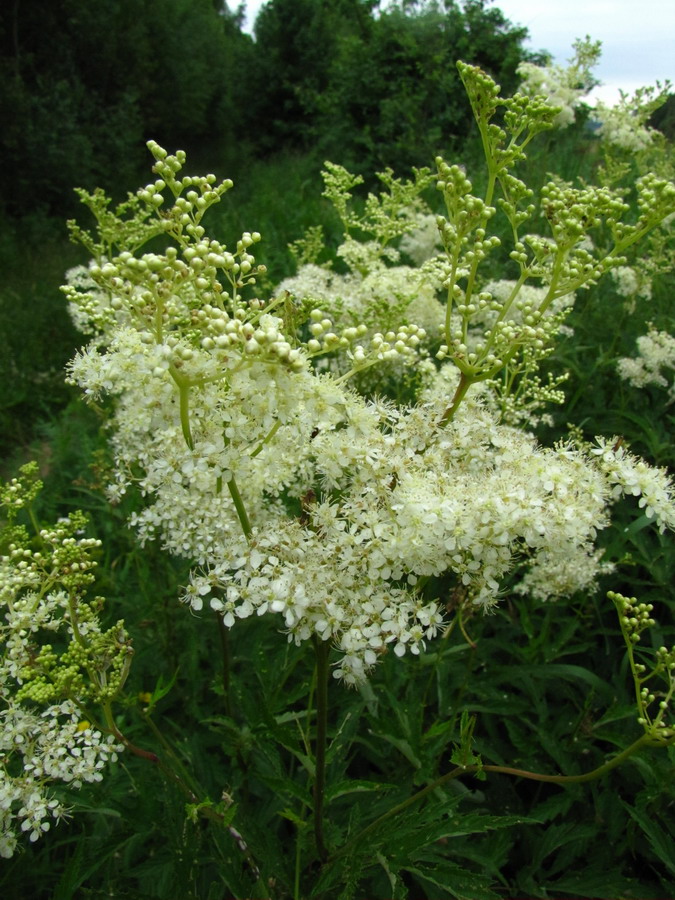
664,118
36,334
86,82
378,91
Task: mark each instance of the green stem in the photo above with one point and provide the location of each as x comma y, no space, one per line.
465,382
225,652
132,748
33,519
268,437
241,509
298,859
322,649
183,386
205,809
178,772
505,770
434,669
451,299
503,312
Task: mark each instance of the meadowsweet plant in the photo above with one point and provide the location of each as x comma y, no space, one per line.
654,363
564,87
60,670
624,125
359,523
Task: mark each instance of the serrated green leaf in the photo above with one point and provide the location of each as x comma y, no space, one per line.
294,716
336,873
555,805
293,817
403,747
455,881
595,883
341,788
661,843
285,786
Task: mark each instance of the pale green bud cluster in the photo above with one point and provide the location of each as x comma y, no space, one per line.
20,492
654,704
514,335
635,617
381,346
384,217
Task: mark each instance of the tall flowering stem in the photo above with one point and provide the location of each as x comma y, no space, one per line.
322,649
350,516
465,382
239,506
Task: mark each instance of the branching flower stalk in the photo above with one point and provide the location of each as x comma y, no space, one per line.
634,618
563,263
478,769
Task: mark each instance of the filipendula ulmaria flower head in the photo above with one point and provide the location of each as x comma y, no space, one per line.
298,498
59,669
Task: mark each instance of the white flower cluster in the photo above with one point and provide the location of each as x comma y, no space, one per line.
625,124
371,303
557,85
423,242
631,283
560,86
349,520
87,303
622,125
475,499
656,352
632,476
386,296
388,498
49,746
44,735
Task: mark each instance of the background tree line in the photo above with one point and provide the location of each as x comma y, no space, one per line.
85,84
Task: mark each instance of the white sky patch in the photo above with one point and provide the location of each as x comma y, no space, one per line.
638,36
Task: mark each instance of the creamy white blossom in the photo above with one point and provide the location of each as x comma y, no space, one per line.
654,364
300,499
44,737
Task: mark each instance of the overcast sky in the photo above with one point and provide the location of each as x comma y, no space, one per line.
638,36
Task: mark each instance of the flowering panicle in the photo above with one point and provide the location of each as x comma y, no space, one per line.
564,88
562,263
624,125
296,496
57,666
656,355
